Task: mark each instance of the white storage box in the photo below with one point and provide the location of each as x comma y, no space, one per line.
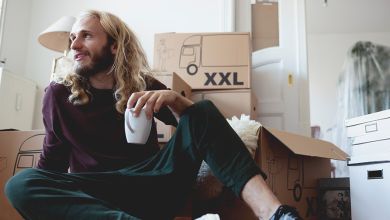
371,123
369,185
369,167
369,134
371,144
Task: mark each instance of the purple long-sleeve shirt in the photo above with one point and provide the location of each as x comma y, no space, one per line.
91,137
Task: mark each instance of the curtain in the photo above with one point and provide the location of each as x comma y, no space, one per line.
364,88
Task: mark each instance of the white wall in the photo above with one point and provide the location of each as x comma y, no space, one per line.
331,32
145,17
327,53
15,35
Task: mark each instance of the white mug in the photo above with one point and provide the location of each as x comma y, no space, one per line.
137,129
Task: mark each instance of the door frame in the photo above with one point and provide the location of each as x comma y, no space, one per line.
242,23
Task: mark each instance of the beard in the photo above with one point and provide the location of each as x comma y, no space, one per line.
99,62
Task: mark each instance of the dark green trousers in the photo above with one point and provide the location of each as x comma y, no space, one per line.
153,189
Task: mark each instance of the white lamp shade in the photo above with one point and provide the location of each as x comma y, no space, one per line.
56,37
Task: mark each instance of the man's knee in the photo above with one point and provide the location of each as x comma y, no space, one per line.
17,189
203,108
207,104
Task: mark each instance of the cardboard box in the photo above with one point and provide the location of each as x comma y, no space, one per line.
206,60
293,164
18,150
230,102
369,179
265,26
176,83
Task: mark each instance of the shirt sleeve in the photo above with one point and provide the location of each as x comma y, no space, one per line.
56,152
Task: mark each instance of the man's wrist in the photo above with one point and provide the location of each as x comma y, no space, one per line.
182,104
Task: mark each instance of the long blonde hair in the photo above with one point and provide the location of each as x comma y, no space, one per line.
129,68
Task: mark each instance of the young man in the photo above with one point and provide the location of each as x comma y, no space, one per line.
110,178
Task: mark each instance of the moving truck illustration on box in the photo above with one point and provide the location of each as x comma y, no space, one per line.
29,153
19,150
205,61
294,166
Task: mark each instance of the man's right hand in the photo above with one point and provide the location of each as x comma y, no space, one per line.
154,100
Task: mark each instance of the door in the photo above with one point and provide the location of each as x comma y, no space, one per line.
279,72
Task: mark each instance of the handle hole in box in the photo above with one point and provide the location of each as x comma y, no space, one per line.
374,174
371,128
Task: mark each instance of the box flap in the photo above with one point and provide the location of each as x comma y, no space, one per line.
367,118
308,146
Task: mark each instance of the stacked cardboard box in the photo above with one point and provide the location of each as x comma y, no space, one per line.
230,102
216,66
206,60
174,82
369,165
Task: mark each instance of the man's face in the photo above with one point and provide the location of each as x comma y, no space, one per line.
92,52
